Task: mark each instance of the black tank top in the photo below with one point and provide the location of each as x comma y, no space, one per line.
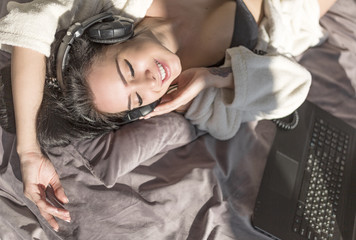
245,29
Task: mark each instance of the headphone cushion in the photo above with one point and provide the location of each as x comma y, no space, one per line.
111,32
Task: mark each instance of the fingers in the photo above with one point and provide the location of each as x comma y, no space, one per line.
167,107
48,211
166,98
163,109
188,85
170,102
60,195
49,218
43,204
165,102
58,190
38,173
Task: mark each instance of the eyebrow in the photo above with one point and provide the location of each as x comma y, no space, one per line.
123,81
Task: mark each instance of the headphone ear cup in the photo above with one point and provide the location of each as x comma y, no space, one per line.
116,31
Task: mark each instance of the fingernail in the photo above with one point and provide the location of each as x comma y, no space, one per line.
68,220
56,229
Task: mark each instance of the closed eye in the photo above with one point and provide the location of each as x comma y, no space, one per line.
139,99
130,67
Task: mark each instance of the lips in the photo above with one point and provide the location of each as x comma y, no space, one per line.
163,71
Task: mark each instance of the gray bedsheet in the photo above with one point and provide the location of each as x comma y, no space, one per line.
203,190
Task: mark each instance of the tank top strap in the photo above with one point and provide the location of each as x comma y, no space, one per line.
245,27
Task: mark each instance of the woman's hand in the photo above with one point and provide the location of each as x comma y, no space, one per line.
189,84
37,172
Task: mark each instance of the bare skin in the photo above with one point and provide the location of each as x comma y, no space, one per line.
205,25
196,38
31,72
325,5
37,171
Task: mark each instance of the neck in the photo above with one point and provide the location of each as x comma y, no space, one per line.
187,26
174,22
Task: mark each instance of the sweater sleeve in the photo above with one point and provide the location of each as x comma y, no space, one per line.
266,87
290,27
34,24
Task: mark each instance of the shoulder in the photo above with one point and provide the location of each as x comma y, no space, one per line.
132,8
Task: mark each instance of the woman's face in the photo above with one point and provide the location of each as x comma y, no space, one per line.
132,74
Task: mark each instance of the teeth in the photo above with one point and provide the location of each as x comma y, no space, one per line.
161,69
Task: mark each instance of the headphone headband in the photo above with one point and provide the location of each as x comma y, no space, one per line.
104,28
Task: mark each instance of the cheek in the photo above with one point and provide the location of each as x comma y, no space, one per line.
105,90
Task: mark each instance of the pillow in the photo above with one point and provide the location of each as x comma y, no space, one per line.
111,155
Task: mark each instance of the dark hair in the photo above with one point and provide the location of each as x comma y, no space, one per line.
64,116
70,115
7,114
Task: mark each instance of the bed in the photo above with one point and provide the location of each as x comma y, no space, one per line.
162,178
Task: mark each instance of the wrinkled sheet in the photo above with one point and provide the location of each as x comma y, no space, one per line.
204,190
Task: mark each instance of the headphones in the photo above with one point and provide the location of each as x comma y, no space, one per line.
104,28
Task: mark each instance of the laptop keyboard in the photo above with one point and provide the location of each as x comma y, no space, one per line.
315,216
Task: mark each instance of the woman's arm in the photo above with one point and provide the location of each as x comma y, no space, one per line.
266,87
325,5
28,74
259,87
189,84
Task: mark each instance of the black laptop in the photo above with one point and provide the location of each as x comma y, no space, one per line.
308,189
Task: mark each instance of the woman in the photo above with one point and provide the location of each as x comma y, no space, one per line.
212,16
159,48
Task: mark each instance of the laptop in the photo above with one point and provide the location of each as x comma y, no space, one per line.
308,189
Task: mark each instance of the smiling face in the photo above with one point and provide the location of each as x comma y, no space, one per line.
132,74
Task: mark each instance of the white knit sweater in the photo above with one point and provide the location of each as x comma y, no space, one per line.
266,87
34,24
269,86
